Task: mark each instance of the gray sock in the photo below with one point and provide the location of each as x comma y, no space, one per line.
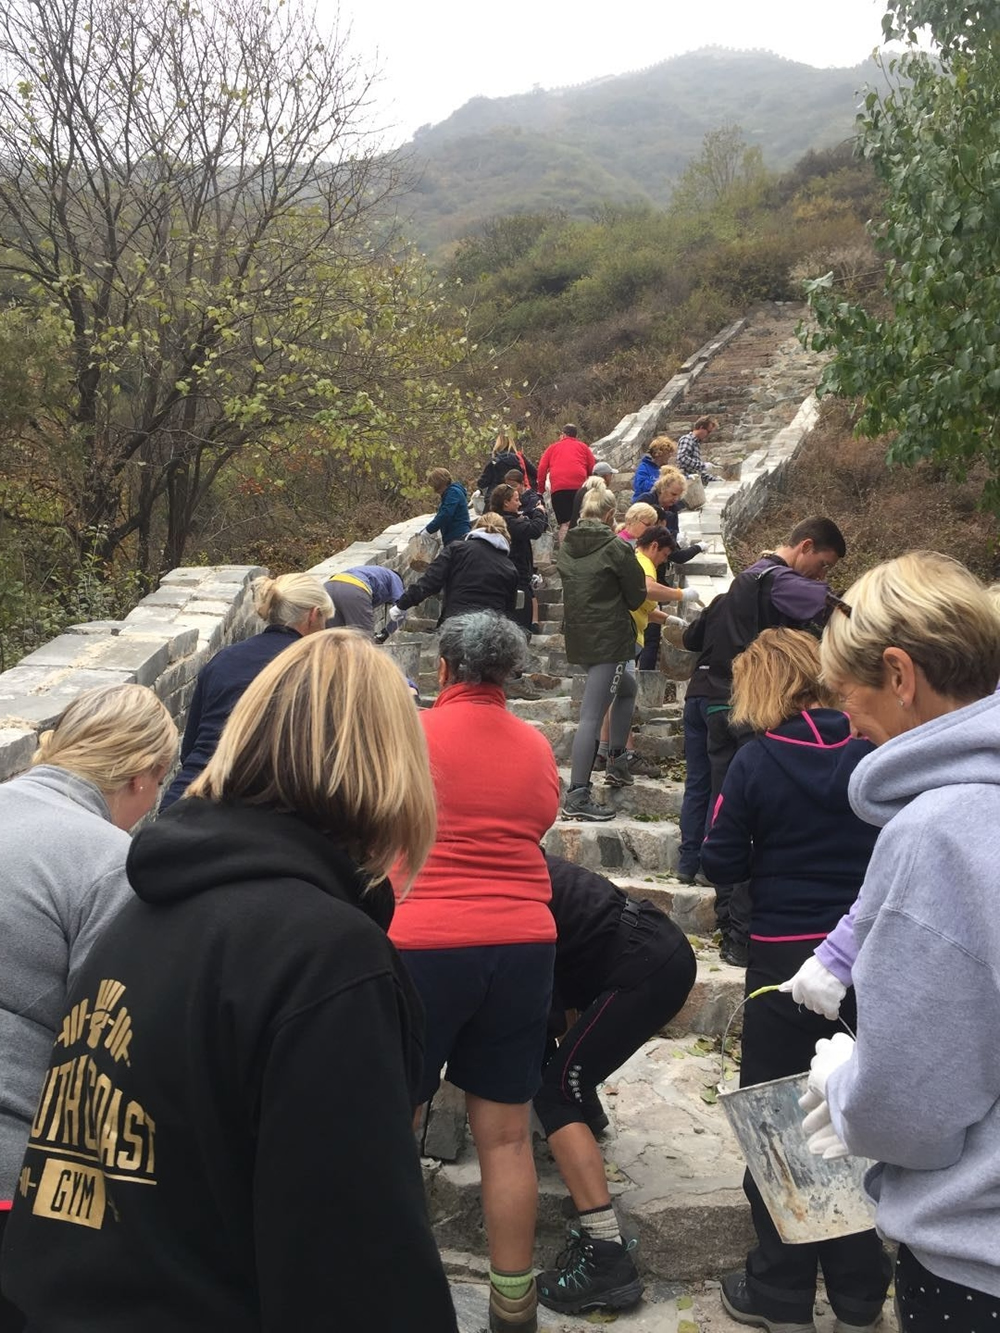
601,1224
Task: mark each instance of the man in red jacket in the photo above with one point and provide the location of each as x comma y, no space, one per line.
566,465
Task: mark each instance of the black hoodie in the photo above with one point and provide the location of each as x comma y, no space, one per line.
224,1142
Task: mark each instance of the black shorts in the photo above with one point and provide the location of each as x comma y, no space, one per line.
562,505
487,1013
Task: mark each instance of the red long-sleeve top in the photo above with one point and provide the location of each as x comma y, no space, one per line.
485,881
566,464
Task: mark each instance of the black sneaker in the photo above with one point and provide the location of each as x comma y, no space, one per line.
739,1304
590,1275
734,952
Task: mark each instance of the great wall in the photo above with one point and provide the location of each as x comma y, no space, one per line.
671,1159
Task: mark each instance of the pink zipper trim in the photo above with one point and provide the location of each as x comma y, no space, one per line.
818,744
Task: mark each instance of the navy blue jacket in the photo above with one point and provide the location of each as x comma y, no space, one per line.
452,517
221,682
783,822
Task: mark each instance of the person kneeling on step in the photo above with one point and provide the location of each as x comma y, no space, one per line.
628,969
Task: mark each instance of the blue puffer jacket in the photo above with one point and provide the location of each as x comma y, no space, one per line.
452,517
783,821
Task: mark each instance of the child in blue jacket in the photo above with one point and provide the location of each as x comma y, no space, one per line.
452,517
783,822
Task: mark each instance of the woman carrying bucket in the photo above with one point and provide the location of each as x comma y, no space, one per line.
914,651
783,822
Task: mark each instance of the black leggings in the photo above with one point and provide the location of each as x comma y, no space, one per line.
779,1038
928,1304
11,1319
616,1022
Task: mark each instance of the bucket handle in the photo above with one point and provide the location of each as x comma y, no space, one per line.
761,990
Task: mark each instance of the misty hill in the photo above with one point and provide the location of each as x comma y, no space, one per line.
623,139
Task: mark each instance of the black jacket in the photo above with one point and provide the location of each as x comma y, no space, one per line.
497,468
228,1112
524,528
471,575
221,683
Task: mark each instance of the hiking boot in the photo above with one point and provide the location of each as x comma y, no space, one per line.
618,773
733,951
520,1315
578,805
641,767
739,1304
591,1275
600,763
697,879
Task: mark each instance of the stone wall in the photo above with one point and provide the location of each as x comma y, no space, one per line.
163,642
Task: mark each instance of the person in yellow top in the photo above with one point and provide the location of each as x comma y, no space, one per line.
652,548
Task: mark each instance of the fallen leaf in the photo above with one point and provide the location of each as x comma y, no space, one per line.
687,1326
684,1302
607,1317
710,1095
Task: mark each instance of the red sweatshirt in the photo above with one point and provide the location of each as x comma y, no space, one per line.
485,881
567,464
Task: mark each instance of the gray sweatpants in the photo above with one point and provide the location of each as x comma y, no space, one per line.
608,684
352,607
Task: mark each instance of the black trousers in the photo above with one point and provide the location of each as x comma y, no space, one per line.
732,901
928,1304
618,1020
11,1319
779,1038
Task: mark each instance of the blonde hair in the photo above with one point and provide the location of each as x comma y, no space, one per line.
598,502
289,598
328,732
662,448
110,735
493,522
669,476
777,677
640,512
504,444
439,479
932,608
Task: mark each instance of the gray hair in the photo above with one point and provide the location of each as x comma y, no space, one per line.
482,648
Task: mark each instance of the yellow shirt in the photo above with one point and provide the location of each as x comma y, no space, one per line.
641,617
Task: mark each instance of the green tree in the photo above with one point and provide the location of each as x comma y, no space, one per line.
925,359
188,191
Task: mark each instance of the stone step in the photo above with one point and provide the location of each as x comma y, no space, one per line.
690,905
651,799
673,1167
659,738
623,845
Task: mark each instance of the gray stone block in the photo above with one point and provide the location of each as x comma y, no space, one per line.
142,657
95,628
40,709
444,1127
17,745
63,651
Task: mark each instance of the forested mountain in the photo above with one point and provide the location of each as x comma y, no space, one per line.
622,139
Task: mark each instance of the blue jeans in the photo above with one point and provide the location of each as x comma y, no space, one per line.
697,786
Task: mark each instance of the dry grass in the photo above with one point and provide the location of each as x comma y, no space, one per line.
882,511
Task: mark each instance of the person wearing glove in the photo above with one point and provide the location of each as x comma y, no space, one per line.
784,827
917,661
823,1139
816,987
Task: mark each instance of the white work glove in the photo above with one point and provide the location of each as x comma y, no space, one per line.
395,613
816,987
676,620
831,1053
536,580
690,595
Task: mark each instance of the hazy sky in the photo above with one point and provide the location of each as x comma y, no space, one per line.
437,54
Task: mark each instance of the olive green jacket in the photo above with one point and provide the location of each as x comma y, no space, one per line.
602,583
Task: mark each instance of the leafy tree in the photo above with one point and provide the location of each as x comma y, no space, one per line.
926,360
728,175
186,191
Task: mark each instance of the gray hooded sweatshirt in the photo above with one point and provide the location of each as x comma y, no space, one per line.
921,1094
62,878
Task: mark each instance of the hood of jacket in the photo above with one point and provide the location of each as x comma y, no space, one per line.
199,845
494,539
959,749
589,535
816,752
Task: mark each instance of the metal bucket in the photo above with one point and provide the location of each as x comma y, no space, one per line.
809,1199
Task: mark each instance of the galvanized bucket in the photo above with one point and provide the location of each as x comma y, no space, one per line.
809,1199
